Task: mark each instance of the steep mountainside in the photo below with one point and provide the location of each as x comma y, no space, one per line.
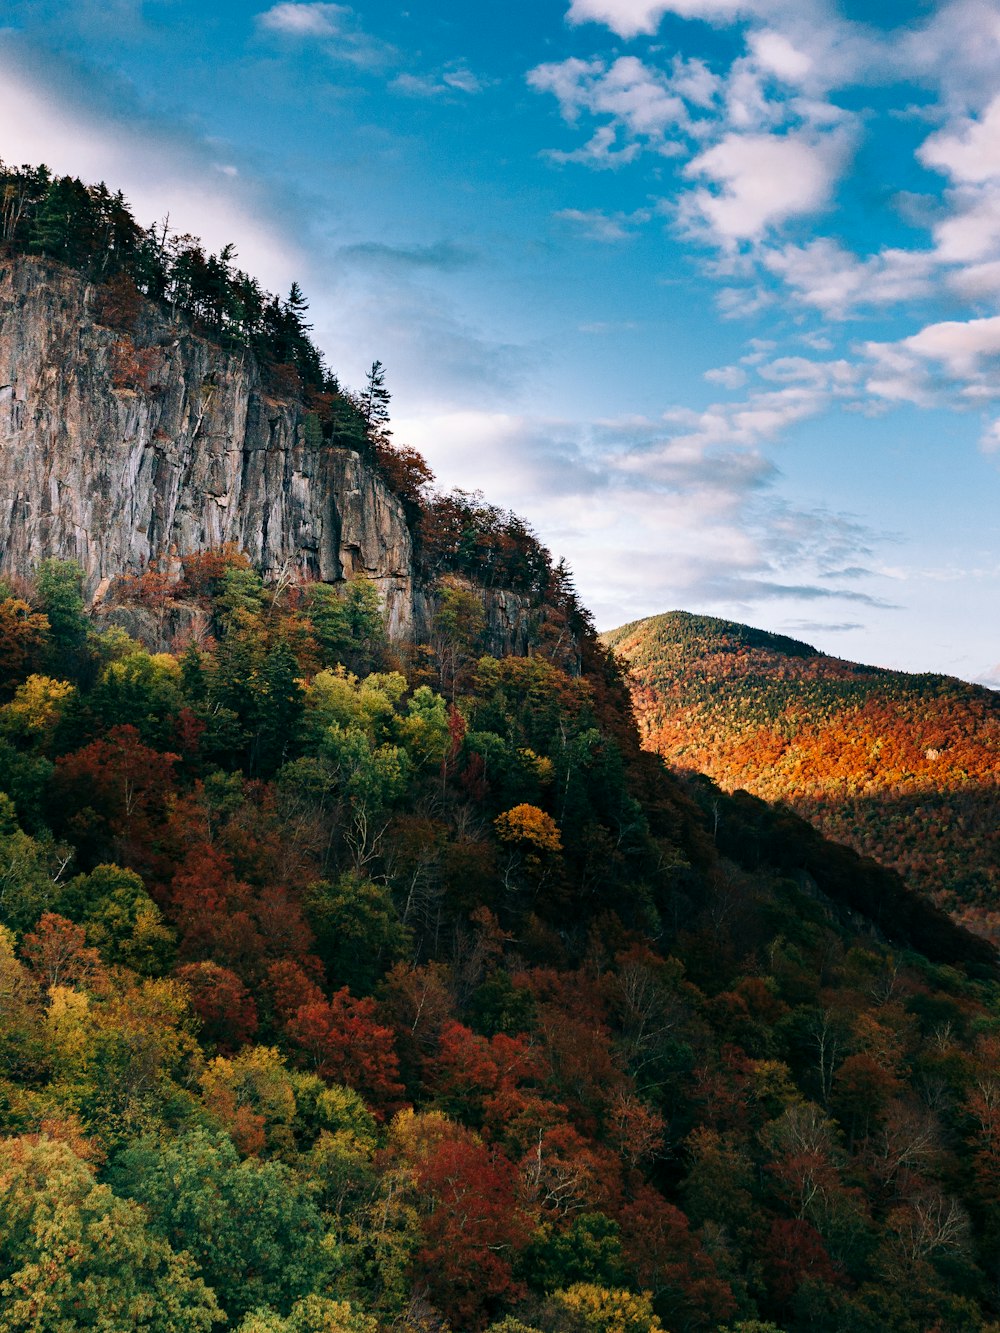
350,985
904,768
116,449
125,448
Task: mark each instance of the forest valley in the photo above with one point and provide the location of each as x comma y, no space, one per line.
350,986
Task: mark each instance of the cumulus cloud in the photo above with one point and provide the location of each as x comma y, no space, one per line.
969,150
730,377
972,232
305,20
766,141
957,51
629,18
953,362
760,180
336,26
777,55
961,346
837,375
826,276
637,98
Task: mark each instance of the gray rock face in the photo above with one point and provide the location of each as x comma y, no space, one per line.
118,457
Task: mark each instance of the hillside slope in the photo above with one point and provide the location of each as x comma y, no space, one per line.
903,768
352,984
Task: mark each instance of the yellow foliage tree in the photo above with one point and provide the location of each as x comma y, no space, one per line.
530,828
603,1310
37,706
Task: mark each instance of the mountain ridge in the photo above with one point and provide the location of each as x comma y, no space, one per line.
901,766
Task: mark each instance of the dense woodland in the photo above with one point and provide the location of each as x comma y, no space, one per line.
347,989
332,1002
904,768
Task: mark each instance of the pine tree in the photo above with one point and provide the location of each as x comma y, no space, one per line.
375,404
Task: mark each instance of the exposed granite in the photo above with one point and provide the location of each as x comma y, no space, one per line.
124,451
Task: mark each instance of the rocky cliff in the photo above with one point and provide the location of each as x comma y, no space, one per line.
120,450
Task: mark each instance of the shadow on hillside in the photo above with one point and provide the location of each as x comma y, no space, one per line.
759,836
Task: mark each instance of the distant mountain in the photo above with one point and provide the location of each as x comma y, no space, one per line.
904,768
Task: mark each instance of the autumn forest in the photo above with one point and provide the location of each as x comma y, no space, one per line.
350,984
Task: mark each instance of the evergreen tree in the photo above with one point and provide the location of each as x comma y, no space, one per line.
375,404
60,591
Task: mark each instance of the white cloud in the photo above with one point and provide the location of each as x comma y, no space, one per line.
598,226
305,20
692,79
774,53
960,346
601,150
336,26
951,363
990,439
975,282
677,498
763,414
462,79
972,230
457,78
957,51
730,377
639,100
896,376
838,375
762,180
629,18
969,151
825,275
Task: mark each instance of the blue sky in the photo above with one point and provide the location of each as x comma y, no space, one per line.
708,290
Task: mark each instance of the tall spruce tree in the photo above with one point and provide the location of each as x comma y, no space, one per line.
375,404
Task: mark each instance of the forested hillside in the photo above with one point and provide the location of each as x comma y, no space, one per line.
351,985
330,1002
903,768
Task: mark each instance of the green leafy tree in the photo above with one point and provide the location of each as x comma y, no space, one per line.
588,1250
251,1227
121,919
359,935
280,710
315,1314
60,592
74,1255
28,872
